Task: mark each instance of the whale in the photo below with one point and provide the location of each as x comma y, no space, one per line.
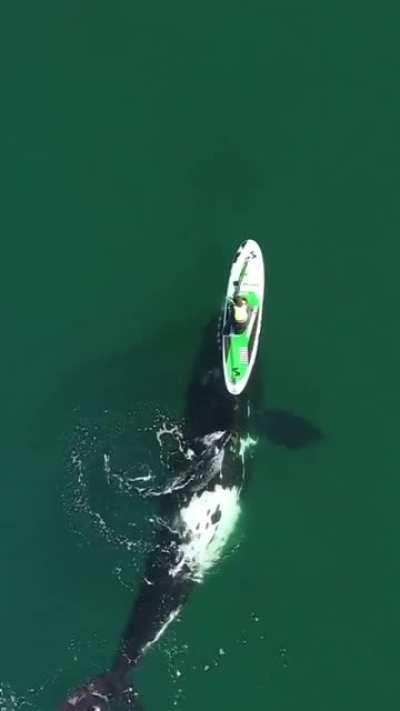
198,510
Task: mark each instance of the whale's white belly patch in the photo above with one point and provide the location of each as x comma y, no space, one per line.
205,525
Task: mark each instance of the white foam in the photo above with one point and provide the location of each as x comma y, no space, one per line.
246,443
107,467
174,430
202,539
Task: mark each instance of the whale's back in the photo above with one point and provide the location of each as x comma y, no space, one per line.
206,523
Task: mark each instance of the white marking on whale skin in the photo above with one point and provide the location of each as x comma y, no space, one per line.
212,438
161,631
101,696
202,539
91,689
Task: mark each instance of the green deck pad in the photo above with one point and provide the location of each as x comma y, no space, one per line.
237,364
251,298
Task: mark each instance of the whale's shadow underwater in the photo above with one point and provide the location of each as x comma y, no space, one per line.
198,510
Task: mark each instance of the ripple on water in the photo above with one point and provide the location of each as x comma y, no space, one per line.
113,463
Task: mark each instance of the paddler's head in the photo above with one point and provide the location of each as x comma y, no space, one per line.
238,300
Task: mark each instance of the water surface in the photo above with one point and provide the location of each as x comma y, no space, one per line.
140,144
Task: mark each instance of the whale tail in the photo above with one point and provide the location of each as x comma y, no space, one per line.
100,693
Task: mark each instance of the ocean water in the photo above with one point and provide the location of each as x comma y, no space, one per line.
140,144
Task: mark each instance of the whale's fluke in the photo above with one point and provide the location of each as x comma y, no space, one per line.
100,695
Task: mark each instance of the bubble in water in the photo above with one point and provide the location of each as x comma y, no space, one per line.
112,464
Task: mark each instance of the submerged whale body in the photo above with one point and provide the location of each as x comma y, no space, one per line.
196,521
198,511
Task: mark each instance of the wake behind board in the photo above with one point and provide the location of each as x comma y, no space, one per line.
240,341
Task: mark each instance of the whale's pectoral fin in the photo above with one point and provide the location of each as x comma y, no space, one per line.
285,429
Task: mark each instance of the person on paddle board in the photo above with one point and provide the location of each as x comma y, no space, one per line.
241,313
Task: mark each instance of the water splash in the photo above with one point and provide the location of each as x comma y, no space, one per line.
112,464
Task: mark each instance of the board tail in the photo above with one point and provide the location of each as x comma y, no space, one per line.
101,694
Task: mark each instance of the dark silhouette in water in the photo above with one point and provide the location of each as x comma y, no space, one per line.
286,429
168,579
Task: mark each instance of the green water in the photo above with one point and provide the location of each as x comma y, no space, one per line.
139,145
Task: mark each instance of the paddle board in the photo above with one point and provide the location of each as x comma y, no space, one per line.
240,340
